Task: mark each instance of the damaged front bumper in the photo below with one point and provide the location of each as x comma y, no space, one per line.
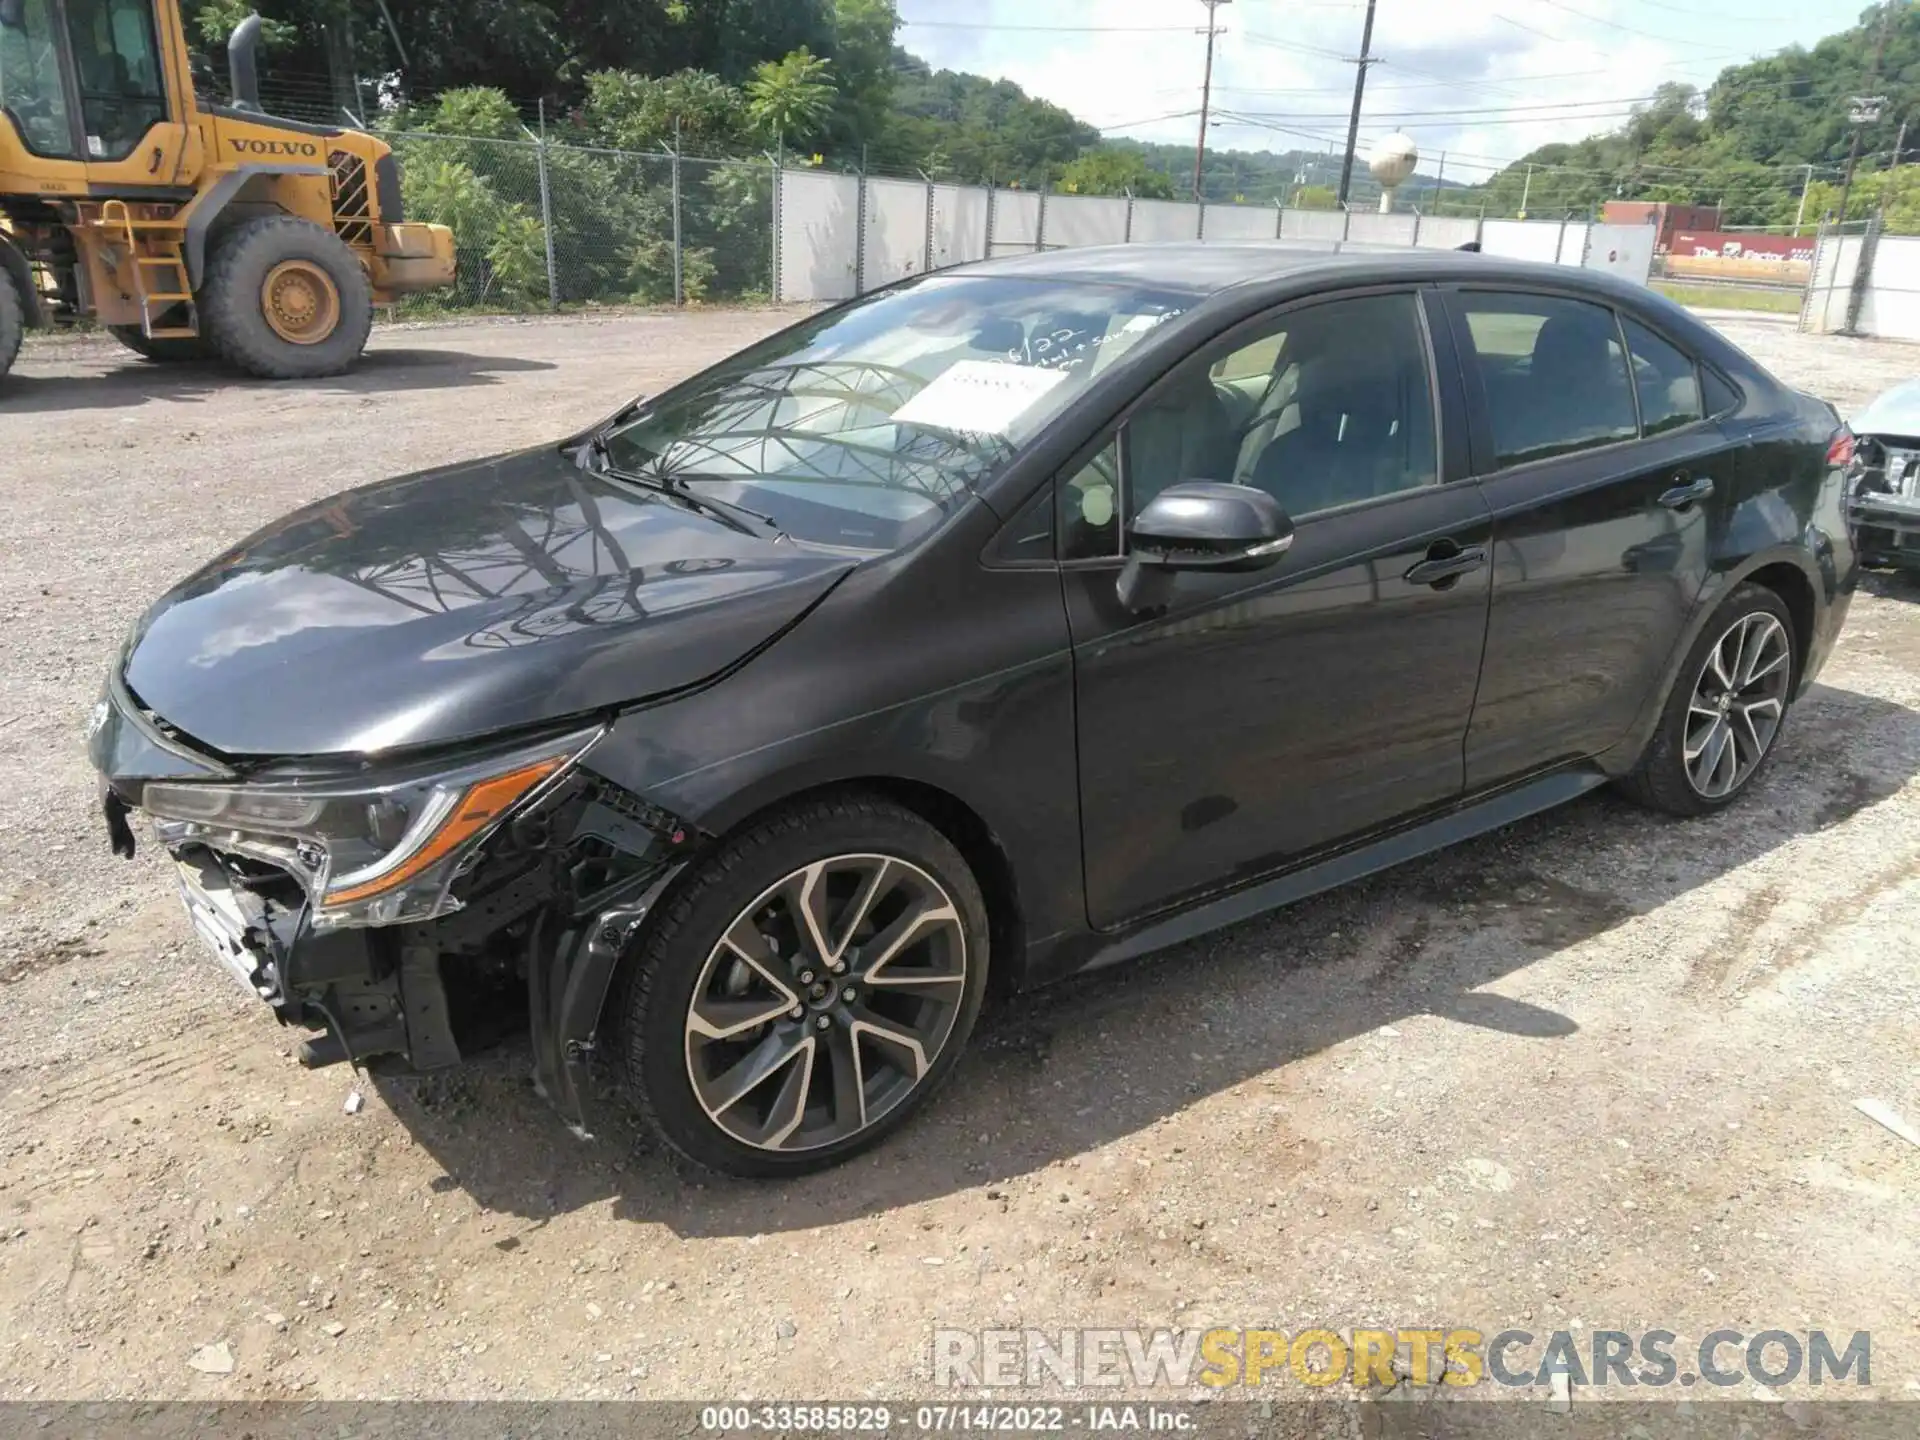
1883,503
1886,529
545,905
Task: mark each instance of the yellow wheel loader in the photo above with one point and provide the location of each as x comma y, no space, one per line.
188,230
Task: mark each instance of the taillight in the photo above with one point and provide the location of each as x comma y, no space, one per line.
1840,449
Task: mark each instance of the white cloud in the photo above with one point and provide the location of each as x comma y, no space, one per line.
1278,63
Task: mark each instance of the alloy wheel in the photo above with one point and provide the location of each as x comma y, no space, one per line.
826,1002
1737,705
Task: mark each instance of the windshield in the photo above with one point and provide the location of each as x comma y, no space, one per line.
864,426
30,92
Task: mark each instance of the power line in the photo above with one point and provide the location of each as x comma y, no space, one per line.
1628,29
1522,25
1551,110
1051,29
1148,120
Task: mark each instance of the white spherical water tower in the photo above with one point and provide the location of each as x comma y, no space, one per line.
1392,161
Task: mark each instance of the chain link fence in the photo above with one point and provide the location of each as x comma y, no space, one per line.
543,225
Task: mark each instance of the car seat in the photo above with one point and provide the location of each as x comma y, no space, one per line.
1349,444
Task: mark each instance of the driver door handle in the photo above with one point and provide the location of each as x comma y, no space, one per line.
1687,492
1446,563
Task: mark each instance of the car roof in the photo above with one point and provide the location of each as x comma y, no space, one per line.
1208,267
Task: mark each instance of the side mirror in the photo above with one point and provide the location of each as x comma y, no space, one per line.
1200,525
13,14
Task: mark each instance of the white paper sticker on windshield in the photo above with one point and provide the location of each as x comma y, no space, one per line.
978,397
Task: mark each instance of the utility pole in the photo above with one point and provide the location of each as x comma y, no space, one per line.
1439,179
1359,90
1806,184
1206,97
1526,191
1865,110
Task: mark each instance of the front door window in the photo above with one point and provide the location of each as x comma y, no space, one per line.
31,96
118,63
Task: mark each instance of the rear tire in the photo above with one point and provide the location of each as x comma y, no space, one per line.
848,1029
13,321
285,299
1728,706
165,348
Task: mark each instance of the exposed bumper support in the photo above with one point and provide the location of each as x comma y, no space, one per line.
567,991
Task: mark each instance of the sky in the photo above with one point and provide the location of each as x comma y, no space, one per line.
1516,74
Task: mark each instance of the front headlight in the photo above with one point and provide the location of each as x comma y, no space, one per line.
382,850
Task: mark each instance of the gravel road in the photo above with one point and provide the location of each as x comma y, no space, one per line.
1597,1070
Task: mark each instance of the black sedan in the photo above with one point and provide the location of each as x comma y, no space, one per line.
1014,620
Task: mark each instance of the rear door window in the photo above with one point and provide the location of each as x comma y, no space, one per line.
1667,381
1554,373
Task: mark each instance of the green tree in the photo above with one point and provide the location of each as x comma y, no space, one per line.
476,111
637,112
863,32
216,20
1114,172
791,97
501,251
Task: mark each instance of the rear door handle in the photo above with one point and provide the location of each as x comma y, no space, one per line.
1445,563
1683,495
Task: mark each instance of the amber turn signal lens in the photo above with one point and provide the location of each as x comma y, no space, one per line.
481,805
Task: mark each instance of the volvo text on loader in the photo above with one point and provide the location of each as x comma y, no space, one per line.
188,230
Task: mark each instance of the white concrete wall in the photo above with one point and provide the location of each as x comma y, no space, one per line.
1522,239
1373,228
1622,250
896,236
1834,265
1016,222
1891,307
1164,220
1241,222
818,236
819,230
1085,220
1313,224
959,225
1447,232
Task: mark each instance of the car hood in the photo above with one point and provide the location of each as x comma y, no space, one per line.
1892,412
461,601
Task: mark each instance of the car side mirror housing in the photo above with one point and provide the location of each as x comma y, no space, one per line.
1200,525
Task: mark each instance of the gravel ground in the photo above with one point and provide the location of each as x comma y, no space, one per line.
1596,1070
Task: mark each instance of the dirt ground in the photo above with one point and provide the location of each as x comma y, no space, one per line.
1595,1071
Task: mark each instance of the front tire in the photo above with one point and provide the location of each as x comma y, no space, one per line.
806,989
1725,714
13,320
285,299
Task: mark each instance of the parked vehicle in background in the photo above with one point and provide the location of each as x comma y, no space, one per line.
1884,479
1013,621
188,231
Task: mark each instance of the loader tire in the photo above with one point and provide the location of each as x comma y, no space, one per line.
13,321
164,347
285,299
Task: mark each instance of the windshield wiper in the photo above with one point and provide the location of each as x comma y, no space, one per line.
747,522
